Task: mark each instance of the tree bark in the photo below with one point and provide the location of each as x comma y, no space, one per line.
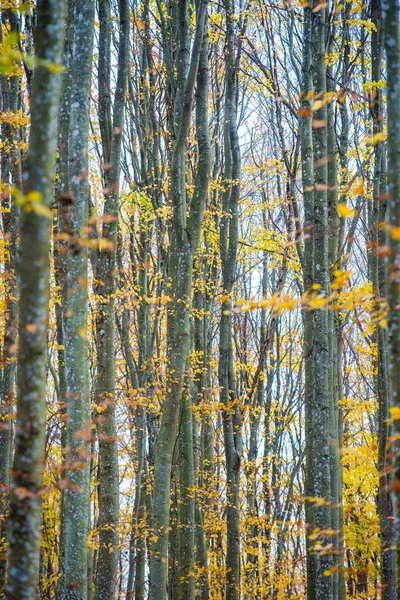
75,202
111,132
231,415
390,12
10,171
378,279
184,240
25,504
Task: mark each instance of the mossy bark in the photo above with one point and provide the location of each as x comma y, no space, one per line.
33,272
390,12
111,126
75,203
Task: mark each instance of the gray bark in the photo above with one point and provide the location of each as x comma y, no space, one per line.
75,203
390,12
377,275
111,132
231,415
184,239
10,172
33,272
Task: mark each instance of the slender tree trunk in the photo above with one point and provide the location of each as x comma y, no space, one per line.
140,573
231,415
186,501
377,276
111,131
7,395
75,202
136,577
25,505
339,590
390,12
203,443
10,172
63,226
252,503
185,237
186,464
319,465
307,164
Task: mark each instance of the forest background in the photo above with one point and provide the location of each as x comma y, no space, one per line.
199,311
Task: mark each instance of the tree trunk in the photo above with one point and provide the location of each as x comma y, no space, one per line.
390,12
184,240
378,279
307,165
111,133
75,201
25,504
10,171
231,414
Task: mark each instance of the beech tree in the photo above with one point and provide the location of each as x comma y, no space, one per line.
185,235
33,308
392,48
74,211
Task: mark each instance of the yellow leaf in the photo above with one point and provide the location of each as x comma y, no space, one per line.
18,197
40,209
34,196
53,68
315,534
358,189
318,104
83,333
395,412
11,39
344,211
394,233
375,139
287,305
320,302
